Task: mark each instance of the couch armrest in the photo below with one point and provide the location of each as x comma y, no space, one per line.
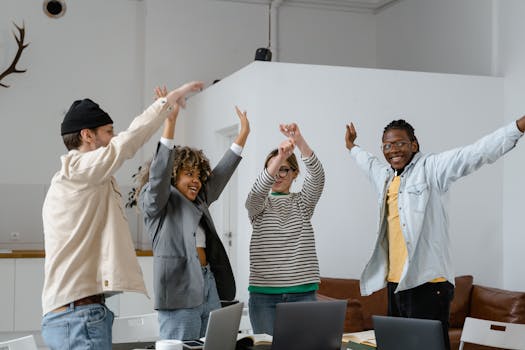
460,306
497,304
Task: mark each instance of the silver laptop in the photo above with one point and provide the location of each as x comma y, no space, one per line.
309,325
223,327
399,333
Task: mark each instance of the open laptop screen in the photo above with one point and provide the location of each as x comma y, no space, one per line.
399,333
309,325
223,327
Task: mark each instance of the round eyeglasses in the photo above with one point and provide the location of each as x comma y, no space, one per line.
283,172
398,144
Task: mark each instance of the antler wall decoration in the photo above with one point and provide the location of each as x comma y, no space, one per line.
21,46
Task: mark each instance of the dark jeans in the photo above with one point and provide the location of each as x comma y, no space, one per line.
429,301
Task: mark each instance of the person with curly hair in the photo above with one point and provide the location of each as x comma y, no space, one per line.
412,256
192,272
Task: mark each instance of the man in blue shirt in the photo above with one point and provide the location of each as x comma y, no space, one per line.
412,255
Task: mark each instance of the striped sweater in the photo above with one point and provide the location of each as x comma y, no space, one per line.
282,247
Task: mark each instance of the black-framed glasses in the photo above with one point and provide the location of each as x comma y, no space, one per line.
398,144
283,172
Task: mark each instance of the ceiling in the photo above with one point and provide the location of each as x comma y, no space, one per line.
370,6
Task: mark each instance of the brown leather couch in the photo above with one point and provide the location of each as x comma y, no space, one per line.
469,300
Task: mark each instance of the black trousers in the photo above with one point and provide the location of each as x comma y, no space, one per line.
429,301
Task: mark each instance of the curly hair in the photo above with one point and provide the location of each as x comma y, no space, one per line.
402,124
185,158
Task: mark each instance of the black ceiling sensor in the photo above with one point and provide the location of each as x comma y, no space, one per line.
54,8
263,54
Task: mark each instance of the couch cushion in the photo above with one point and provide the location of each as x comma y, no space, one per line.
374,304
459,309
339,288
348,288
497,304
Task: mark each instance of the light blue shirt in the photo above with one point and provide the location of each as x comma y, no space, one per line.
422,207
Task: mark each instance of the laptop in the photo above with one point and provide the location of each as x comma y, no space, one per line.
223,327
309,325
399,333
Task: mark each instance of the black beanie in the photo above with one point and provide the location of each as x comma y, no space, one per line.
84,114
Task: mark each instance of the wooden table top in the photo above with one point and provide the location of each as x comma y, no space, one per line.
28,254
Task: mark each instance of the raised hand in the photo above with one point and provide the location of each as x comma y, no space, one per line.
163,92
521,124
293,133
286,148
179,94
160,92
350,135
245,127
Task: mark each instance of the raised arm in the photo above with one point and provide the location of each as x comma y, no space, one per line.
245,127
257,196
223,171
102,163
285,150
171,119
178,96
367,162
314,178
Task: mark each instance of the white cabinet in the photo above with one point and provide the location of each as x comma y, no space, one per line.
21,294
7,294
29,280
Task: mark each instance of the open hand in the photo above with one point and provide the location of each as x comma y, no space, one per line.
245,127
350,135
291,131
286,148
163,92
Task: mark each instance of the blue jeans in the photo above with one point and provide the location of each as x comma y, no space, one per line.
262,308
191,323
86,327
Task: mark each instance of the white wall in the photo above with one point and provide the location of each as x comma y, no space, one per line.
90,52
334,38
513,68
208,40
468,37
322,100
445,36
115,53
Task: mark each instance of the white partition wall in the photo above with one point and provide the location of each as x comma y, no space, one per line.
446,111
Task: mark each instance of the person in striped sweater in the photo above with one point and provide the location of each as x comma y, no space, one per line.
283,258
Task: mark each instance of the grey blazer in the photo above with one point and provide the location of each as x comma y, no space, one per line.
171,221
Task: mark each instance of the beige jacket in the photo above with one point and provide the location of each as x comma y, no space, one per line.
88,245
